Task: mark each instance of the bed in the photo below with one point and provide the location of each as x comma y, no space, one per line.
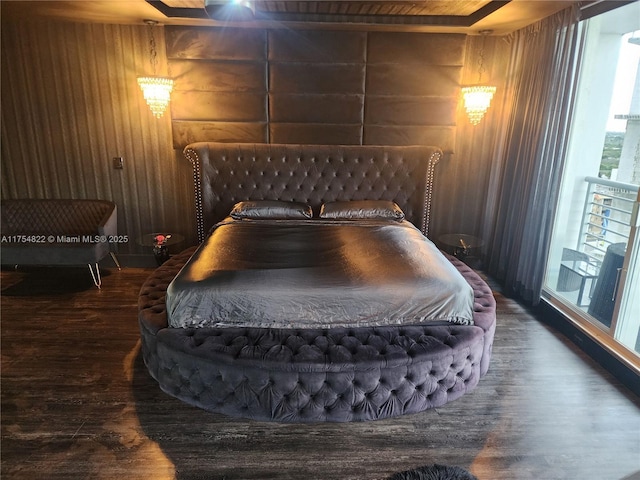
324,323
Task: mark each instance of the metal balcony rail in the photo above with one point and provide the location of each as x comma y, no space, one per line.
606,215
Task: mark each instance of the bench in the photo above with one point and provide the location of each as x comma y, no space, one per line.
58,232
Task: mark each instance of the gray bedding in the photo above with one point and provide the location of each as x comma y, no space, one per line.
317,273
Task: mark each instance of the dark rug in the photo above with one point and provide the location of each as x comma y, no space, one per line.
434,472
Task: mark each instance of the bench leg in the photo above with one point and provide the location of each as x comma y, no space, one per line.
95,275
115,260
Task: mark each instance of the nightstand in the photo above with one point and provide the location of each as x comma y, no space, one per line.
464,247
160,241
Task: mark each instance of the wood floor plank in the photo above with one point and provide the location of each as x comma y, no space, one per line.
77,402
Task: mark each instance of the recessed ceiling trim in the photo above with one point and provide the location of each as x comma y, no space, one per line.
485,11
364,19
597,7
178,12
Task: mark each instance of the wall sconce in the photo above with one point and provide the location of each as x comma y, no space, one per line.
477,98
156,90
476,101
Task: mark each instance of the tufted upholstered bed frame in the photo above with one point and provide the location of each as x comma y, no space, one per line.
313,375
226,173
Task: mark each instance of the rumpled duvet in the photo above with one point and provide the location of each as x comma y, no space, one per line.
317,274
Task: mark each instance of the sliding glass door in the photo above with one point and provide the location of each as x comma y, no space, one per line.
626,317
593,269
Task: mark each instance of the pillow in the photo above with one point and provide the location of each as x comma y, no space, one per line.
263,209
370,209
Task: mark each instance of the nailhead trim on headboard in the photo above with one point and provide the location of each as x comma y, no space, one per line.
428,192
226,173
192,156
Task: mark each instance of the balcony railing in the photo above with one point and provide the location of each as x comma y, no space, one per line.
606,216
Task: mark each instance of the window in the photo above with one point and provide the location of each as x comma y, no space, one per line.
593,267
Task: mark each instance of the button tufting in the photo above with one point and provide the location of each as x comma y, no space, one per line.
223,393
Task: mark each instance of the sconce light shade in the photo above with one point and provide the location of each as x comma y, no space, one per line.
157,93
476,101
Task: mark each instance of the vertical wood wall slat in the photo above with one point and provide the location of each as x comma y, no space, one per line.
70,102
462,189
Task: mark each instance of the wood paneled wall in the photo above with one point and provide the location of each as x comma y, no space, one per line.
465,198
70,102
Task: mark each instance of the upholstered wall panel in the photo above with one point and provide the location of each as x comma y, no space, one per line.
317,46
410,110
420,79
315,133
297,78
186,132
314,108
316,86
224,106
230,76
326,87
216,43
416,49
412,89
409,135
220,81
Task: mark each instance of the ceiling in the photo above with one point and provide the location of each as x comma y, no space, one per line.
459,16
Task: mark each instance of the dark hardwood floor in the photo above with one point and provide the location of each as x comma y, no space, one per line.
77,402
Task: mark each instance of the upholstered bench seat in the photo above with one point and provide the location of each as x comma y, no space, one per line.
59,232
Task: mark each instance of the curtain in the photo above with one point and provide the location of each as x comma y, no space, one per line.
530,150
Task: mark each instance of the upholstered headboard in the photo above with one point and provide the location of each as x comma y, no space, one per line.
226,173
